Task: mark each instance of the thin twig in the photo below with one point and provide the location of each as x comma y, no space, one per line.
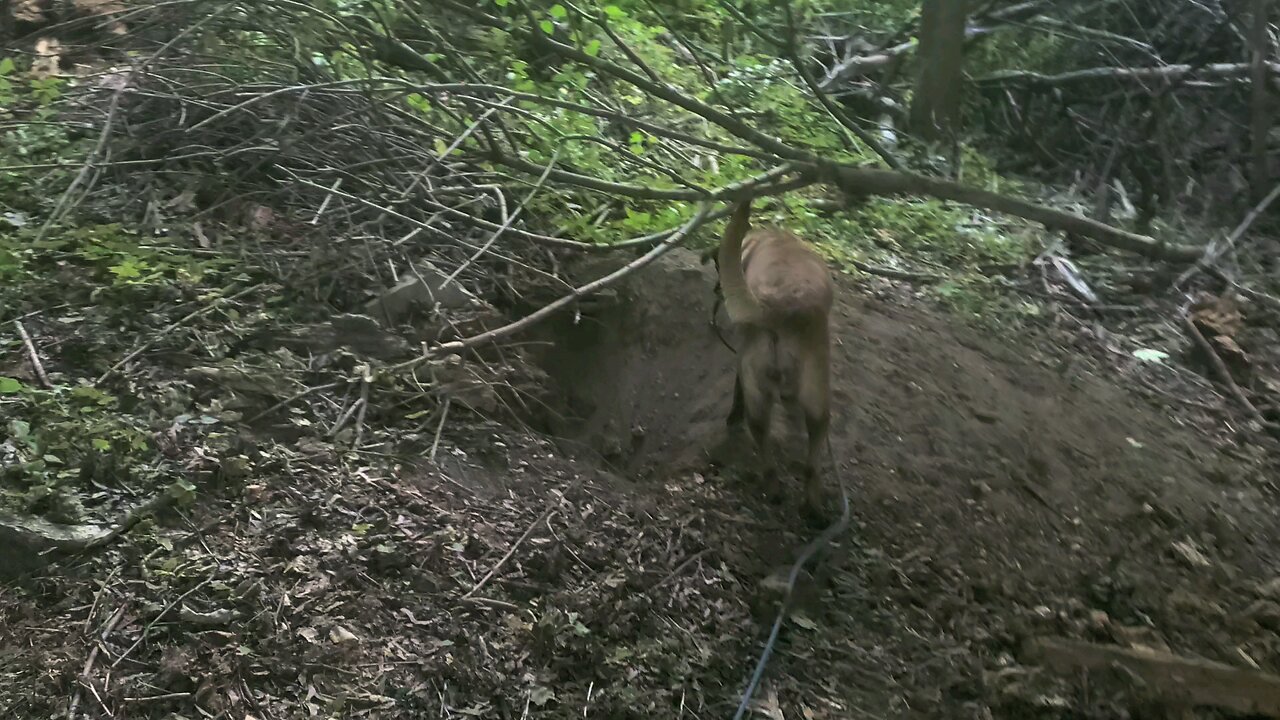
1216,250
435,443
163,612
218,302
364,408
507,221
292,399
459,346
674,573
64,203
1224,375
546,515
33,355
896,274
93,658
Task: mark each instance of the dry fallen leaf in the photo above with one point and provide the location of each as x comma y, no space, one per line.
769,705
342,636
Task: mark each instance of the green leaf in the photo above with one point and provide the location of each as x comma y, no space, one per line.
9,386
592,48
6,66
501,3
558,12
101,445
613,11
547,27
130,269
20,429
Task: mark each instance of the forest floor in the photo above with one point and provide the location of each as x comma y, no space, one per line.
1043,483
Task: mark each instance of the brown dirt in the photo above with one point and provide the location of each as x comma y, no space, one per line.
1002,487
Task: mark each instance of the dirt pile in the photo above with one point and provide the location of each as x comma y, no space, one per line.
1003,487
1003,490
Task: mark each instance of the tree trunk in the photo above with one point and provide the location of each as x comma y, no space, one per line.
1260,120
935,104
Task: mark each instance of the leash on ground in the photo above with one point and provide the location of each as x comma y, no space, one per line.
833,530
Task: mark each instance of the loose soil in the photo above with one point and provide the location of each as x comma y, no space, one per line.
1002,489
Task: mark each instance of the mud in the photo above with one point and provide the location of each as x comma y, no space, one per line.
1002,488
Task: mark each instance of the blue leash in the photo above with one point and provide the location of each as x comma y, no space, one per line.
827,536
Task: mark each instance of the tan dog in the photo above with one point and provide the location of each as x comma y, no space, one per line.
779,291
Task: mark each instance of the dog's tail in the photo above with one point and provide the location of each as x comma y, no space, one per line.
741,305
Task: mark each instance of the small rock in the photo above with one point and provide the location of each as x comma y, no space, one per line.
422,288
1190,555
1099,620
1270,589
1266,613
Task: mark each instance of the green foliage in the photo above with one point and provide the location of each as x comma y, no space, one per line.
56,443
1032,52
30,142
104,262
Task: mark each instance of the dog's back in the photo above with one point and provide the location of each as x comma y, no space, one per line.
789,280
780,292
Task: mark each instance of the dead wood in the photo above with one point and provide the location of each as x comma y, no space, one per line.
1224,375
870,181
1259,117
1220,71
851,178
1178,679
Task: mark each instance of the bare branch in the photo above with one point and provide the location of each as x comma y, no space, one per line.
855,180
460,346
1227,71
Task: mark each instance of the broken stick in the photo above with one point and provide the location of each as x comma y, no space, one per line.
1178,679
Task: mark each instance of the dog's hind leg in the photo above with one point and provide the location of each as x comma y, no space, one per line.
815,399
738,410
759,387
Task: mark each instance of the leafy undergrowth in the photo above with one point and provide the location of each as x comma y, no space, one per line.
356,542
324,586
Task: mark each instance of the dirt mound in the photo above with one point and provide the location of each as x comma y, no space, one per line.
1003,490
1001,487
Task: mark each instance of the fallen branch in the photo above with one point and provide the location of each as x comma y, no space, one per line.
791,49
1218,71
1178,679
545,516
986,25
83,678
854,179
33,355
896,274
1224,375
869,181
168,330
1215,250
459,346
